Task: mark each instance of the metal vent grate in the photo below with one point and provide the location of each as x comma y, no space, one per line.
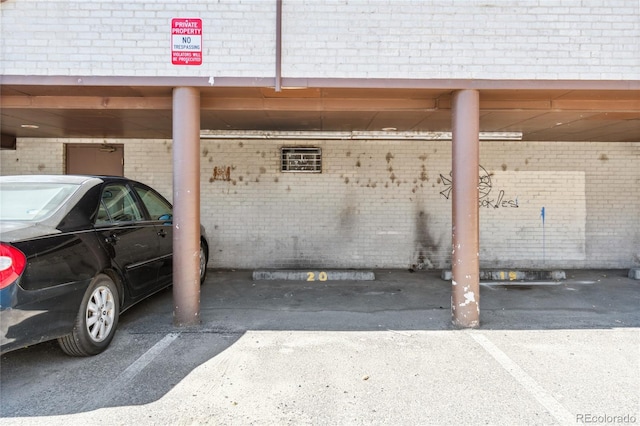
297,159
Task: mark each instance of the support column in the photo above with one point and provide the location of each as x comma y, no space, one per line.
186,206
465,298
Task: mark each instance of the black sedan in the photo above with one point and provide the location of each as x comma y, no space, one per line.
75,252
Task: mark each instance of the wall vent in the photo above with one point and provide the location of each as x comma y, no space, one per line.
301,159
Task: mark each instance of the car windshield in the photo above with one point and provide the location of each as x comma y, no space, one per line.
32,201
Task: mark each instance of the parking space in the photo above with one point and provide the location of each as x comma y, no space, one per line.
337,352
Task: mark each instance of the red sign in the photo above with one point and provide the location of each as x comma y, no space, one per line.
186,41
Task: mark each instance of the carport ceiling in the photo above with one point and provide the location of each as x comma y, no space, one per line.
145,112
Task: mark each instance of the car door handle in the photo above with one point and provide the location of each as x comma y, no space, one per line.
161,233
112,239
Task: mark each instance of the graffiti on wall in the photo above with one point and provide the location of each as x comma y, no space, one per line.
487,197
221,173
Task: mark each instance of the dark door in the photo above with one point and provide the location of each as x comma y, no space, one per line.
131,239
93,159
161,214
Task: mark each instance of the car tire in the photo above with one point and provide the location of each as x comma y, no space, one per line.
204,258
97,320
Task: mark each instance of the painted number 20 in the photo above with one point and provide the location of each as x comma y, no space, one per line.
311,276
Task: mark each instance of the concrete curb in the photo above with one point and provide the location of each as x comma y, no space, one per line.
314,275
514,275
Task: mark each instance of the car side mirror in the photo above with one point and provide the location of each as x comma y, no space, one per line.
166,218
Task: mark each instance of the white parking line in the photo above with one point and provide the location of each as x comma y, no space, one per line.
557,410
130,372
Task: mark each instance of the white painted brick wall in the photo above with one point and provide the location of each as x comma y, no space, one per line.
132,37
150,161
426,39
381,203
612,192
33,156
508,232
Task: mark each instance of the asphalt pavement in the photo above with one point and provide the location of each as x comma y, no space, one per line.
380,352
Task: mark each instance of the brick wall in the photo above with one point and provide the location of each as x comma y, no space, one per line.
132,37
384,203
524,39
150,161
506,39
33,156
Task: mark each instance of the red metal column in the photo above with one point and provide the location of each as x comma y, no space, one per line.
186,206
465,298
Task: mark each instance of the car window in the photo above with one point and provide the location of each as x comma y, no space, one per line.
158,207
118,204
32,201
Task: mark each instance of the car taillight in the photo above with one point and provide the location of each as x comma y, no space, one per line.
12,264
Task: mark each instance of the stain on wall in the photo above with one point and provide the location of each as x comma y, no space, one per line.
426,246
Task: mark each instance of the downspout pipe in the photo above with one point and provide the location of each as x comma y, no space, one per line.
278,82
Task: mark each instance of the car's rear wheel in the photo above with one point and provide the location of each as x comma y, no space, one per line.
203,261
97,320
